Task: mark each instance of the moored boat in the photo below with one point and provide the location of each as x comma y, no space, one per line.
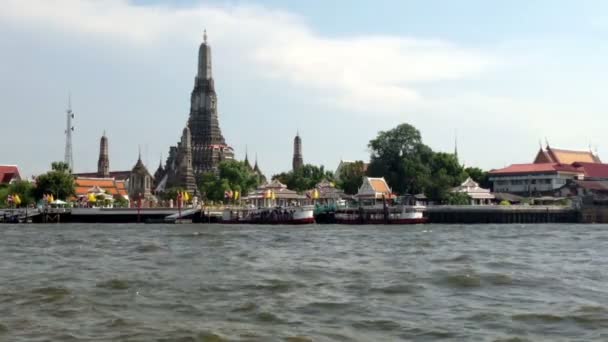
275,215
398,214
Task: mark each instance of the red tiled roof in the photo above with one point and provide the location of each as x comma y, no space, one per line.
594,170
109,185
8,173
536,168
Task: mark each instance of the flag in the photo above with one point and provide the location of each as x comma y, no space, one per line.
16,199
236,195
92,198
272,196
51,198
9,199
315,194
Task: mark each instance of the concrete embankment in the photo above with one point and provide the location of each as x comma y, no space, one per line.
502,214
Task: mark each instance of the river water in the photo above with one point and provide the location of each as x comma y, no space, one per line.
315,283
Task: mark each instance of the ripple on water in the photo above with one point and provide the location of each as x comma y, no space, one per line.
51,293
398,289
460,279
113,284
149,248
459,258
377,325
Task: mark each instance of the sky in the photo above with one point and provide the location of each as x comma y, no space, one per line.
502,77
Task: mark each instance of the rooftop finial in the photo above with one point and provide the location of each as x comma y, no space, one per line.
205,36
139,151
547,142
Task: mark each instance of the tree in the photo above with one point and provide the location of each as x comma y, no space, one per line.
401,158
457,198
304,178
239,177
446,173
480,176
212,187
351,177
120,202
59,182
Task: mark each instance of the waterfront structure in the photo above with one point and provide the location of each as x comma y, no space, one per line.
298,160
325,192
274,193
478,195
93,185
103,163
373,189
9,174
140,185
551,169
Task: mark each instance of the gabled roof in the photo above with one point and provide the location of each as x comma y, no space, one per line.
560,156
374,187
9,173
516,169
118,175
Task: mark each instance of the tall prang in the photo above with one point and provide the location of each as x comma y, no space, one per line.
186,174
209,147
103,163
298,160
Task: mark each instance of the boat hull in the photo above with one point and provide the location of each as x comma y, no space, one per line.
379,222
276,216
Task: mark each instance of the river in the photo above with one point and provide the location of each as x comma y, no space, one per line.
72,282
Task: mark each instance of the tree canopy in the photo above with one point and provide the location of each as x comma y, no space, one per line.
233,175
480,176
24,189
59,182
409,166
351,177
305,177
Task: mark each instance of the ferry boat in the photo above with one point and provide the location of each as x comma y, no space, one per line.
276,215
271,203
379,214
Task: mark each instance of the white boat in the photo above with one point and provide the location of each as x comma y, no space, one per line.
269,215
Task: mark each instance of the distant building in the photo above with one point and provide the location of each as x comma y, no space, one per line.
140,185
325,192
298,160
274,193
552,169
110,186
103,165
374,189
9,174
478,195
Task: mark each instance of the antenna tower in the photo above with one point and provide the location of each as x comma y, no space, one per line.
69,158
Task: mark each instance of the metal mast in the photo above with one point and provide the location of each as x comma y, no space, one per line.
69,158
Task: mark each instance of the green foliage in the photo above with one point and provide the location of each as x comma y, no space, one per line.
411,167
120,202
504,202
457,198
351,177
24,189
479,176
59,182
238,176
304,178
212,187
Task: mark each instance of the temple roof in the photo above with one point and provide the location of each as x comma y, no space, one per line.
85,185
555,155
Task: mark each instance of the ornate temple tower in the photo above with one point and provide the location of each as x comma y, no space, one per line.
298,161
140,184
208,145
103,163
185,172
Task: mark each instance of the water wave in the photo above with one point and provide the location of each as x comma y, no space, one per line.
114,284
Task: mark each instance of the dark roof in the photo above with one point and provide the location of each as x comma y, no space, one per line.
118,175
503,196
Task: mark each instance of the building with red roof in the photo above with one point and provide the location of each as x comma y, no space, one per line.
9,174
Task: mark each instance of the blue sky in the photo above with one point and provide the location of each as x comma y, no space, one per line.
503,75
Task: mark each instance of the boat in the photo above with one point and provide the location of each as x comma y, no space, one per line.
269,215
382,214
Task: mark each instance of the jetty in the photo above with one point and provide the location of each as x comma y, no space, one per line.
501,214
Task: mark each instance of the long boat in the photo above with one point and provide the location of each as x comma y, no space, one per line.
269,215
381,214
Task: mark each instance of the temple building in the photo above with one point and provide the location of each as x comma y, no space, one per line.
205,147
477,194
140,185
9,174
551,169
297,161
103,163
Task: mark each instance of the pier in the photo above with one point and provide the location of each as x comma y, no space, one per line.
502,214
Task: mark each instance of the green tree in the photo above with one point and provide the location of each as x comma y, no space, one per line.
59,182
212,187
304,178
457,198
239,177
480,176
351,177
401,158
24,189
446,173
120,202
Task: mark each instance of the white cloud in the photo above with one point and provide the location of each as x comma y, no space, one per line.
372,74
